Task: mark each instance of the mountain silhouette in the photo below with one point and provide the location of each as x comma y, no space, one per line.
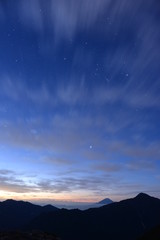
105,201
127,220
14,214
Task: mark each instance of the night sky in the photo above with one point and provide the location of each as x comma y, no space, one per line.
79,99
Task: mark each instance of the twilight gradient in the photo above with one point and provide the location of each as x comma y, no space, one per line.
79,99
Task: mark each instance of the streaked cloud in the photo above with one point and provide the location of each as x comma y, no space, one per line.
72,95
11,181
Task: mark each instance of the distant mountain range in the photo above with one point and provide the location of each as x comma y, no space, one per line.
127,220
105,201
85,206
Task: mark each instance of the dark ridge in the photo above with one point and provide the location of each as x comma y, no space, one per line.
33,235
15,214
142,195
125,220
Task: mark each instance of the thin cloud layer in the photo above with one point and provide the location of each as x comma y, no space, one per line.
72,95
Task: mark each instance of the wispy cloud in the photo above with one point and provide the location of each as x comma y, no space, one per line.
78,95
108,167
148,150
73,184
64,18
67,19
78,130
91,115
11,181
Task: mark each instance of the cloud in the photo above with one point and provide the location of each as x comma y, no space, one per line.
74,184
141,165
102,186
108,167
61,137
136,164
6,172
15,183
69,137
64,19
17,90
77,95
108,98
134,150
58,160
73,16
31,14
11,181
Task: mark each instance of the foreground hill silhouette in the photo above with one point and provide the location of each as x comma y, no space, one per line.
35,235
15,214
127,220
153,234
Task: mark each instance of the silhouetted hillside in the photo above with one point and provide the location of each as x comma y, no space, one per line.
35,235
14,214
125,220
153,234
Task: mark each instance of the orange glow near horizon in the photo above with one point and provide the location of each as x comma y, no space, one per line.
49,197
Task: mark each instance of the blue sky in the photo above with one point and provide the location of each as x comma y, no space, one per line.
79,99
